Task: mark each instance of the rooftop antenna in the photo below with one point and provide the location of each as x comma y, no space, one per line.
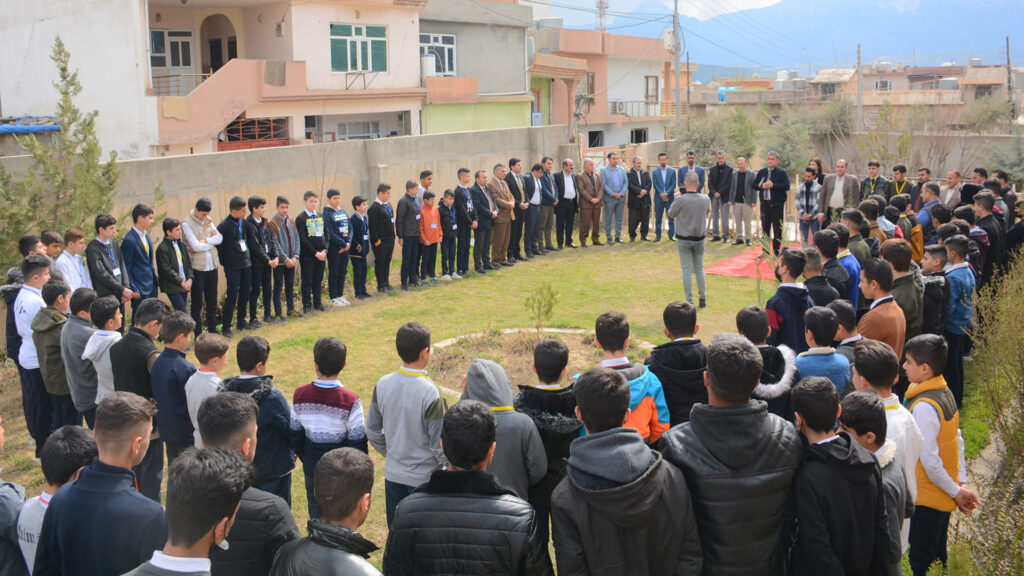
602,14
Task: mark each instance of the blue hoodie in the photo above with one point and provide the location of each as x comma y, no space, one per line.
786,316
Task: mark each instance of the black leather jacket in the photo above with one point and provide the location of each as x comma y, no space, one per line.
739,463
464,522
329,549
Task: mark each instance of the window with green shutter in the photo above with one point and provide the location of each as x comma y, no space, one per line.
359,48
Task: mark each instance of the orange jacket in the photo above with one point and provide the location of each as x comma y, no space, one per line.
430,225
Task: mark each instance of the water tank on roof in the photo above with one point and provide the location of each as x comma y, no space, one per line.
949,84
975,62
549,23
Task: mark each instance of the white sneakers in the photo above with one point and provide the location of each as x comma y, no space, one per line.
340,301
456,276
446,278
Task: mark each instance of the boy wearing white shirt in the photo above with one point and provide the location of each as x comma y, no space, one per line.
71,263
212,354
35,399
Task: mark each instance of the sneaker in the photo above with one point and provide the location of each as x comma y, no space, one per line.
269,319
294,314
254,325
748,242
457,276
320,308
278,318
738,242
446,278
227,333
362,296
703,302
344,301
716,238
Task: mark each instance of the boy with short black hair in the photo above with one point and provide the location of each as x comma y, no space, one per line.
778,373
170,373
846,333
821,359
68,450
105,314
265,257
274,458
405,416
313,433
791,301
907,223
898,253
237,263
959,314
884,319
312,254
46,329
648,410
382,236
826,242
838,492
936,290
552,407
360,250
173,265
340,243
449,229
941,471
407,228
877,372
137,248
680,363
430,235
264,523
343,481
212,353
204,488
863,418
202,237
80,373
36,401
818,286
848,261
854,221
613,478
289,247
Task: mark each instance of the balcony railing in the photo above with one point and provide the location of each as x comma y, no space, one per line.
177,84
639,108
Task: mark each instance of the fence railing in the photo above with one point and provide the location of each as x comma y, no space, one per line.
638,108
177,84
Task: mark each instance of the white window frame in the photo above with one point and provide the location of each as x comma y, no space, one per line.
437,47
883,85
360,46
373,133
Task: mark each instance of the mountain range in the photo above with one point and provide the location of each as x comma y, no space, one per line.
808,35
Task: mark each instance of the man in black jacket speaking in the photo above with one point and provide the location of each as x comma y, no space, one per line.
462,521
772,185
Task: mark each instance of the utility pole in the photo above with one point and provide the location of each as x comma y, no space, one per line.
1009,81
688,91
860,93
676,58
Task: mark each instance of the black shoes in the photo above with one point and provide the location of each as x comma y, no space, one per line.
703,302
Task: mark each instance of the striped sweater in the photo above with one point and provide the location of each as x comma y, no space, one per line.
325,416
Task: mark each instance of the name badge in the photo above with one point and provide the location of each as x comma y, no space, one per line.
417,216
455,226
469,204
392,220
344,229
366,236
117,272
243,246
433,225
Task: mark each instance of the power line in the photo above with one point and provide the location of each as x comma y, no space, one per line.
752,34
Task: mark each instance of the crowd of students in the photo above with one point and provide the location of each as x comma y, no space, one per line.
825,434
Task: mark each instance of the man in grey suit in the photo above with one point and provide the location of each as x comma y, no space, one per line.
615,183
839,191
742,200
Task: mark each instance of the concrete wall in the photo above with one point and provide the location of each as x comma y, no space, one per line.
354,167
490,40
113,67
311,23
939,152
441,118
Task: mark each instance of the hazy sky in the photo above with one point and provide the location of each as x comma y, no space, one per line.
700,9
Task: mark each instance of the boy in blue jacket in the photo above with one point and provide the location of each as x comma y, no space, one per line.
821,359
791,301
959,313
169,374
360,246
339,240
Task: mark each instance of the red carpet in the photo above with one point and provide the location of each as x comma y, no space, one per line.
745,265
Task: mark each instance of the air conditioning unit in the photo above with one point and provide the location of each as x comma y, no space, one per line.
618,108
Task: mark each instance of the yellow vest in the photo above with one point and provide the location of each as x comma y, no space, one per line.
935,393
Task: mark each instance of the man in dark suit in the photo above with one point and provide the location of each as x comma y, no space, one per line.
465,210
533,198
486,211
106,264
772,184
381,219
515,182
138,251
566,203
638,199
664,179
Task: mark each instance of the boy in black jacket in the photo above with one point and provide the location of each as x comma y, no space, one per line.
791,300
340,240
382,236
234,257
360,246
680,363
449,231
838,493
936,289
407,227
173,265
779,370
265,256
313,253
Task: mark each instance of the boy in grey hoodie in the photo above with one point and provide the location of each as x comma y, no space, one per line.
73,338
519,459
106,317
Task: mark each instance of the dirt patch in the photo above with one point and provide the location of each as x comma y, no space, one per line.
513,350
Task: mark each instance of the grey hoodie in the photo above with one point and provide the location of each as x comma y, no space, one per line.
97,351
80,372
519,458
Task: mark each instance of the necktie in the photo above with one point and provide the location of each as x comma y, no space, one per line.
145,244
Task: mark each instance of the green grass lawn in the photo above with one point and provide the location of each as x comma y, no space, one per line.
635,279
